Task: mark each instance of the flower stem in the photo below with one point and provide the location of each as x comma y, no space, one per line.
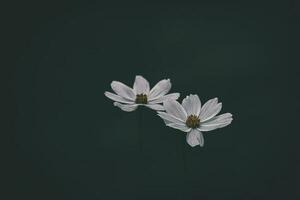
183,166
140,129
183,150
140,151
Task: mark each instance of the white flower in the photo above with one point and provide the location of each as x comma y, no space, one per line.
128,99
193,119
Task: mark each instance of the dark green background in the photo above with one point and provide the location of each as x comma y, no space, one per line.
72,143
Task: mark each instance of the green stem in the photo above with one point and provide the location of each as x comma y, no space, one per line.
140,128
140,149
184,164
182,158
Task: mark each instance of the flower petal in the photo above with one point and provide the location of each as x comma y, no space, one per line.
192,105
123,90
126,107
174,108
155,106
216,122
181,127
170,118
212,112
173,96
160,89
141,85
218,119
195,138
213,127
117,98
210,109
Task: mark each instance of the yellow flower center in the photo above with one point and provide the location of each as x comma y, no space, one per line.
141,99
193,121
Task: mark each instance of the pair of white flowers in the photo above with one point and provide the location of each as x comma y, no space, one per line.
189,116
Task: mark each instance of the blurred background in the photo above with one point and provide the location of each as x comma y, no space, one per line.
70,142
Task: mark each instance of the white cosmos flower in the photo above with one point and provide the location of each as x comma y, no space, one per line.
193,119
128,99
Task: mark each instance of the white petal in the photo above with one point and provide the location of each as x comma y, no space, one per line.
181,127
192,105
126,107
117,98
141,85
172,96
216,122
218,119
215,126
160,89
212,112
170,118
167,122
155,106
123,90
174,108
210,109
195,138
